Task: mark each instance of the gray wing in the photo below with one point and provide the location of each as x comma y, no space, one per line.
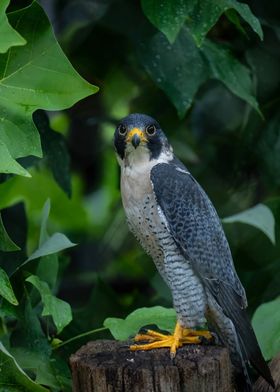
196,228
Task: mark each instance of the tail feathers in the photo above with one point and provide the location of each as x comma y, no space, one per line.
233,327
233,307
250,347
225,329
242,383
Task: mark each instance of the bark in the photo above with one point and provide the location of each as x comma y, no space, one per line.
109,366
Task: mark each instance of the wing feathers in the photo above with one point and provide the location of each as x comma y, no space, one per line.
196,228
195,225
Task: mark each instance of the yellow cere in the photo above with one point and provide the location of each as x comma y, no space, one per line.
137,131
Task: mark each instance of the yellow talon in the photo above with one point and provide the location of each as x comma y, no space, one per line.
191,332
150,335
180,337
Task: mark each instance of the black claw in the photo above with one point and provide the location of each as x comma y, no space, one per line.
205,341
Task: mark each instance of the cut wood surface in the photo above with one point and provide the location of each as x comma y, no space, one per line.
109,366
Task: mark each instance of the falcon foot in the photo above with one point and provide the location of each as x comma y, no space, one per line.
180,337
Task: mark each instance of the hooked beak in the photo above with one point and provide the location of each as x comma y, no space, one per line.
135,141
135,137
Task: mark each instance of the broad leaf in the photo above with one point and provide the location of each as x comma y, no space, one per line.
122,329
8,164
8,310
55,374
200,16
13,377
6,290
206,13
8,36
224,67
53,306
167,15
48,371
55,243
259,216
55,151
37,75
48,265
171,67
47,269
44,236
6,244
245,12
29,333
67,214
266,323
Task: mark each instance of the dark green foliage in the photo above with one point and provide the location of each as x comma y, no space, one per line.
200,16
209,73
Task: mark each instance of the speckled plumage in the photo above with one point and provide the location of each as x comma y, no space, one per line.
177,225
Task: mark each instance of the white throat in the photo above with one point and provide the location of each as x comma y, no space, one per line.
139,160
136,171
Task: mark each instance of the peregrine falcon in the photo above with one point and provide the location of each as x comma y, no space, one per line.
177,225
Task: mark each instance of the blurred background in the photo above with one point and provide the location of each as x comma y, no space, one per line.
227,145
226,130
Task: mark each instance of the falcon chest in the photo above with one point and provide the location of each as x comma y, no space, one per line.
150,227
141,208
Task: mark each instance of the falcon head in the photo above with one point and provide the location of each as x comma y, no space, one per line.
140,135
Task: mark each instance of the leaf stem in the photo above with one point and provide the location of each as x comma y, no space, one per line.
79,337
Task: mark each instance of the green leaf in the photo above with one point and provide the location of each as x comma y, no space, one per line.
169,16
55,152
52,245
67,214
55,243
53,306
48,265
8,36
13,377
259,216
206,13
266,323
29,333
246,13
8,164
234,18
171,67
8,310
47,269
55,374
37,75
224,67
48,371
122,329
6,290
44,236
6,244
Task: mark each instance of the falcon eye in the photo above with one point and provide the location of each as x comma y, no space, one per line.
122,130
151,130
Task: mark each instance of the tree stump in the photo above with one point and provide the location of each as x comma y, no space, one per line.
262,386
109,366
